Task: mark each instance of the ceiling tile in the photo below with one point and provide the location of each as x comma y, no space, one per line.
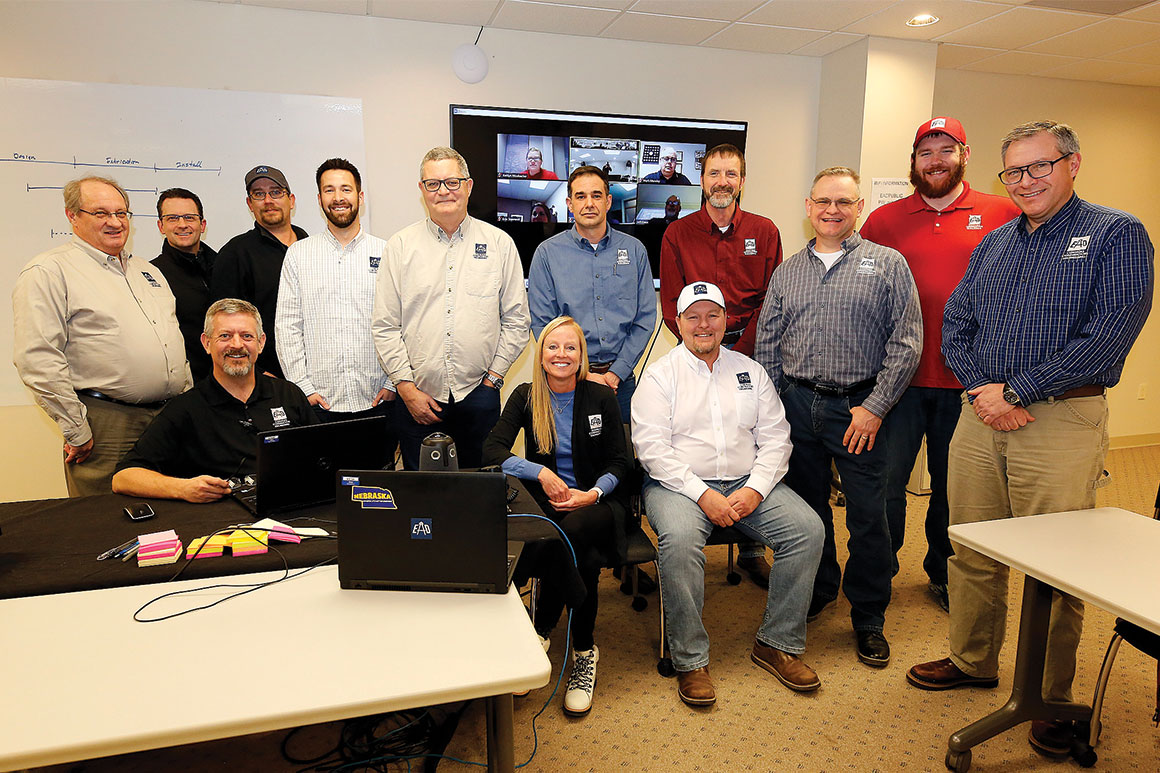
952,57
544,17
356,7
611,5
1141,76
1100,38
1091,70
953,14
827,45
760,37
1018,63
729,10
471,12
1147,13
1146,54
662,29
816,15
1105,7
1017,27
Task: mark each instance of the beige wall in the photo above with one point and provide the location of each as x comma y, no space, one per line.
1117,132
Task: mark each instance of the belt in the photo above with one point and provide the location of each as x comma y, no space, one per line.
732,337
107,399
1087,390
599,367
834,391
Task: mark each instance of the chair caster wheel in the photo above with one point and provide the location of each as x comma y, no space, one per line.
960,762
665,668
733,578
640,603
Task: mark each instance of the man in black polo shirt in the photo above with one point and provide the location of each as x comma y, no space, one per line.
187,262
250,264
209,433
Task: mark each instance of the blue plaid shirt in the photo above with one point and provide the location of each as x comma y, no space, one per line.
1051,310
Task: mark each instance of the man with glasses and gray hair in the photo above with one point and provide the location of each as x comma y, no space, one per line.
249,266
840,334
95,336
1037,331
450,315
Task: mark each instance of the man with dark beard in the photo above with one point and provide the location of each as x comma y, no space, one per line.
210,433
735,250
325,299
935,229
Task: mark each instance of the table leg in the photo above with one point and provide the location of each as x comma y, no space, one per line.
500,739
1026,701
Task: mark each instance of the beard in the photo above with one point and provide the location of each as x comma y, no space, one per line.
938,190
342,219
272,217
722,198
237,368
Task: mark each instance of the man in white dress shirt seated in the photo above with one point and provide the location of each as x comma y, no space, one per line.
711,433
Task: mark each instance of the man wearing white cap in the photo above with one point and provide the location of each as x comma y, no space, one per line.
711,433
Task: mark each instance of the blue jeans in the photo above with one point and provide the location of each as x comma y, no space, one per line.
782,521
933,412
817,423
624,392
467,421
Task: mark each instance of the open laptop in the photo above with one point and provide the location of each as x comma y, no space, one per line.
428,531
297,465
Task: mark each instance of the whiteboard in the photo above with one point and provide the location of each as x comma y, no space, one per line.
148,139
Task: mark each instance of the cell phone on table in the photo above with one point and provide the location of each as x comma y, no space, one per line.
139,511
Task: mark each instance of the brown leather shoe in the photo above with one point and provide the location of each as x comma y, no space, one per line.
789,669
1051,738
757,568
945,675
696,687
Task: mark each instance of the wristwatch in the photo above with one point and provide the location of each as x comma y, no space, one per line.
496,381
1009,395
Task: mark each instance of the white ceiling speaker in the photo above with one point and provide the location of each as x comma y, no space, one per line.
469,63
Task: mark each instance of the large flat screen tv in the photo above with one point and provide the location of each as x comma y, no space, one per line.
520,160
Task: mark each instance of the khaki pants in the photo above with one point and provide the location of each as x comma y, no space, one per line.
115,429
1053,464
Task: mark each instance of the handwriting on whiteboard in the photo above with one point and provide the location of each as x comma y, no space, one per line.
191,165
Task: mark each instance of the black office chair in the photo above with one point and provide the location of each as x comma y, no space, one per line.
1140,638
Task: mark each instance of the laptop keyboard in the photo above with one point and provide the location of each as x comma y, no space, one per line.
245,491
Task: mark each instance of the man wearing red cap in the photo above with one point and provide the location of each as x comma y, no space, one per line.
936,230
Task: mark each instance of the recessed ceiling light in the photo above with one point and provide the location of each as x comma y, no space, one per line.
922,20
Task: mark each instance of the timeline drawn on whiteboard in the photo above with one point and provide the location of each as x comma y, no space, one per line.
118,163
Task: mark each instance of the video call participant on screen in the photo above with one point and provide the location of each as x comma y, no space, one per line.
536,170
100,389
540,213
576,456
210,433
935,229
601,278
672,212
325,304
249,266
450,315
735,250
854,302
711,433
668,172
187,263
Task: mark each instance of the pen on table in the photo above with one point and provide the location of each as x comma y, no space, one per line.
130,553
132,548
117,550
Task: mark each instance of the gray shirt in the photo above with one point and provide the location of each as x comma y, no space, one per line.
859,320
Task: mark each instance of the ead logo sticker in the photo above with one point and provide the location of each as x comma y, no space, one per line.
595,424
744,383
622,257
420,528
373,498
279,416
375,263
750,246
1077,248
974,222
480,251
865,266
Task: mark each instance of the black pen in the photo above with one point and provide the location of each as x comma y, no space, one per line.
114,551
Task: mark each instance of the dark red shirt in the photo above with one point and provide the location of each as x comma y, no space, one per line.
937,246
739,260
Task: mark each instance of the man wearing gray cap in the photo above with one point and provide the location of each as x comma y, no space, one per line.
250,264
711,433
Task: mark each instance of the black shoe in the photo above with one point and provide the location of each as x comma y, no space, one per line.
873,649
941,597
757,568
817,604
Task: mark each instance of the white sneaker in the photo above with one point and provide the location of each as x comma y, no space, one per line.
581,682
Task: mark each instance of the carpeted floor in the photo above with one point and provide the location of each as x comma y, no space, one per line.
862,719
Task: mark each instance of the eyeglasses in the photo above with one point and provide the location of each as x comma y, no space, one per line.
101,214
668,158
841,203
1038,171
451,183
175,219
276,193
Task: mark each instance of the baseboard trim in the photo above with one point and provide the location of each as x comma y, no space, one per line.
1135,441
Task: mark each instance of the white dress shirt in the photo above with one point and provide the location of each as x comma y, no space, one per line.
325,300
691,424
447,310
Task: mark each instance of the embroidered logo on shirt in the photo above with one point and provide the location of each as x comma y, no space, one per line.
420,528
150,279
744,383
375,263
622,257
865,266
480,251
280,418
1077,248
595,424
974,222
750,247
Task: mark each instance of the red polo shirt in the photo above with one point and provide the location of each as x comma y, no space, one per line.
543,174
937,246
739,260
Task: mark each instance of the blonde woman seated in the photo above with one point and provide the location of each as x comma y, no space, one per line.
576,456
